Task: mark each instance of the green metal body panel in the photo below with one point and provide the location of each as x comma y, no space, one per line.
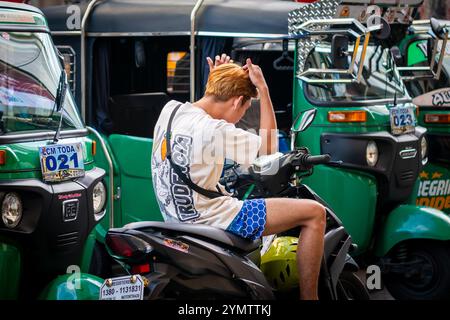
138,201
415,54
336,187
88,251
408,222
131,157
10,267
73,287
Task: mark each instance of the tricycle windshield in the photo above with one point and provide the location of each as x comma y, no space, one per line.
380,79
29,75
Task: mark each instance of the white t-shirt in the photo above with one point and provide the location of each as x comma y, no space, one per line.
199,145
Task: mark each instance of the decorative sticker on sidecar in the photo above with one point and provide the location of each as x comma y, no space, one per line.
434,190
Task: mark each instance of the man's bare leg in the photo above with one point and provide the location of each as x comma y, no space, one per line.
284,214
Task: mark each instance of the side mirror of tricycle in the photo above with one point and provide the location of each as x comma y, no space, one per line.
339,51
439,28
302,122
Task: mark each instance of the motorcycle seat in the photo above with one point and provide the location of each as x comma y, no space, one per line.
200,230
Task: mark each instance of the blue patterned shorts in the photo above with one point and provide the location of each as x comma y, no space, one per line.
251,220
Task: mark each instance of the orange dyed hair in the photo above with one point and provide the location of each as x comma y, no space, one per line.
229,80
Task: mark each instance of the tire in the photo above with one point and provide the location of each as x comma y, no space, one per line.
350,287
432,282
100,262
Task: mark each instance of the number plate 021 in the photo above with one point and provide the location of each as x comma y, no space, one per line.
61,162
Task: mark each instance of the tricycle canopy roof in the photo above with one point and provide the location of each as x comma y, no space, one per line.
160,17
18,6
14,16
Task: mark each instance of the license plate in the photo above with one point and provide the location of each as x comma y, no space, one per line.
123,288
61,162
403,120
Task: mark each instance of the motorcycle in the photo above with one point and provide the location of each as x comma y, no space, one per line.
175,261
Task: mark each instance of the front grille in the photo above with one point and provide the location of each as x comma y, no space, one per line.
67,239
407,176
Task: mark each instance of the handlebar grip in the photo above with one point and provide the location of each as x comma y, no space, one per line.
314,160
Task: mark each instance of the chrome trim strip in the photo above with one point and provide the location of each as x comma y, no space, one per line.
174,33
111,175
137,34
66,33
83,57
42,135
242,34
192,57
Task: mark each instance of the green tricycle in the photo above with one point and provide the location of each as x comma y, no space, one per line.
428,43
367,124
51,193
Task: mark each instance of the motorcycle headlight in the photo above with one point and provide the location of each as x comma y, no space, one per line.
424,149
99,197
11,210
372,153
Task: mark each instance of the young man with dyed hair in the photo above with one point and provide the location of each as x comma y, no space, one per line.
201,135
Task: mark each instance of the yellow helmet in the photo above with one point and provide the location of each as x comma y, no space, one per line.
279,263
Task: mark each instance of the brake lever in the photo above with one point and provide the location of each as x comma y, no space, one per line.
336,163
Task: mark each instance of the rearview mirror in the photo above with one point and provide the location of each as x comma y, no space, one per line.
439,28
302,122
385,30
339,51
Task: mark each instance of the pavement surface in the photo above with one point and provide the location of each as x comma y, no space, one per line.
382,294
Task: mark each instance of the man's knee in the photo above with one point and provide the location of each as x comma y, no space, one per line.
317,216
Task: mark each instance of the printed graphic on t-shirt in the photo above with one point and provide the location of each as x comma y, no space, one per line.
170,189
181,193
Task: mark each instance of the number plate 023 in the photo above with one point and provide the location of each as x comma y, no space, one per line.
61,162
403,120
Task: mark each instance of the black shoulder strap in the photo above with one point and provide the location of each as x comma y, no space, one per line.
185,178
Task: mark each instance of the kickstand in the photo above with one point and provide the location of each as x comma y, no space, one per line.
277,65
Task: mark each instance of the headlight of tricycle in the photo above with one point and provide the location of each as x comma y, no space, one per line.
424,149
372,153
99,197
11,210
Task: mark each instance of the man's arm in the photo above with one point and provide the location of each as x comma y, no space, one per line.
268,123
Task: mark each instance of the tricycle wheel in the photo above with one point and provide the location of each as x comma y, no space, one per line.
426,278
101,262
350,287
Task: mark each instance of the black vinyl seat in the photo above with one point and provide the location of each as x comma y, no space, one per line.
204,231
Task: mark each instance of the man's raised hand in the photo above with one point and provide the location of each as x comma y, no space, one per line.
256,75
222,59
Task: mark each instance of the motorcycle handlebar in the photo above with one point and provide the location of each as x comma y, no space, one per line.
314,160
